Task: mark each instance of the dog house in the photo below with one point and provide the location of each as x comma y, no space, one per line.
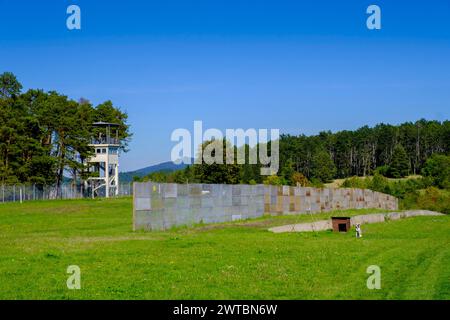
340,224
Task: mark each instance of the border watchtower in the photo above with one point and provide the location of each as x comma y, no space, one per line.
105,161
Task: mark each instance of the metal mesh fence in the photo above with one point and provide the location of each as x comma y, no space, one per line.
160,206
20,193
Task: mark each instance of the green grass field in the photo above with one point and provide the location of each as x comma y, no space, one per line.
242,260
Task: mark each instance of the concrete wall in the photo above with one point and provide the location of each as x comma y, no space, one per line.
362,219
367,218
411,213
159,206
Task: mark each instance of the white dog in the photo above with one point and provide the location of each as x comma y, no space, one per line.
358,231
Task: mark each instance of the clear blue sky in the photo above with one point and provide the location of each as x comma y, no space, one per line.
302,67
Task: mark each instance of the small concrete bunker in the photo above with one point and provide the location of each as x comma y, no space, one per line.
340,224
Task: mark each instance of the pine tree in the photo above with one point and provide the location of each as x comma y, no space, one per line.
399,166
9,86
323,167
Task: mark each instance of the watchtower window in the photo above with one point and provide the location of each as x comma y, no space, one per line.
103,150
98,151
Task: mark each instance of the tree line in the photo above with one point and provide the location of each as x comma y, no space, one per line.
45,136
393,150
390,150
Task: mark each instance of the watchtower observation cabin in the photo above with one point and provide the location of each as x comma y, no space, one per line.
105,161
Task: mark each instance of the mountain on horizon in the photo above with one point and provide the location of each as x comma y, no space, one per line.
168,166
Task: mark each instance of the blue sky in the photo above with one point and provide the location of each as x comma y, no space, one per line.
300,66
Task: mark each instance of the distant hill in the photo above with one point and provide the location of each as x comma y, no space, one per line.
168,166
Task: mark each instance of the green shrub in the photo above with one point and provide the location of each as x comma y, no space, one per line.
298,178
355,182
316,183
431,198
379,183
274,180
434,199
437,168
383,170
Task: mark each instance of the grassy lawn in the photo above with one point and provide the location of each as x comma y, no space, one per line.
242,260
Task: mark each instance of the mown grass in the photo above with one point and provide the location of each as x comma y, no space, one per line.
241,260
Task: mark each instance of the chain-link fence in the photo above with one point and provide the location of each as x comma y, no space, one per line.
21,193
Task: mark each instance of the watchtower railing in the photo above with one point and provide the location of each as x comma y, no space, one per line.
105,140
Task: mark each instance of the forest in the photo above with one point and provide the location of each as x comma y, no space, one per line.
393,151
45,136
